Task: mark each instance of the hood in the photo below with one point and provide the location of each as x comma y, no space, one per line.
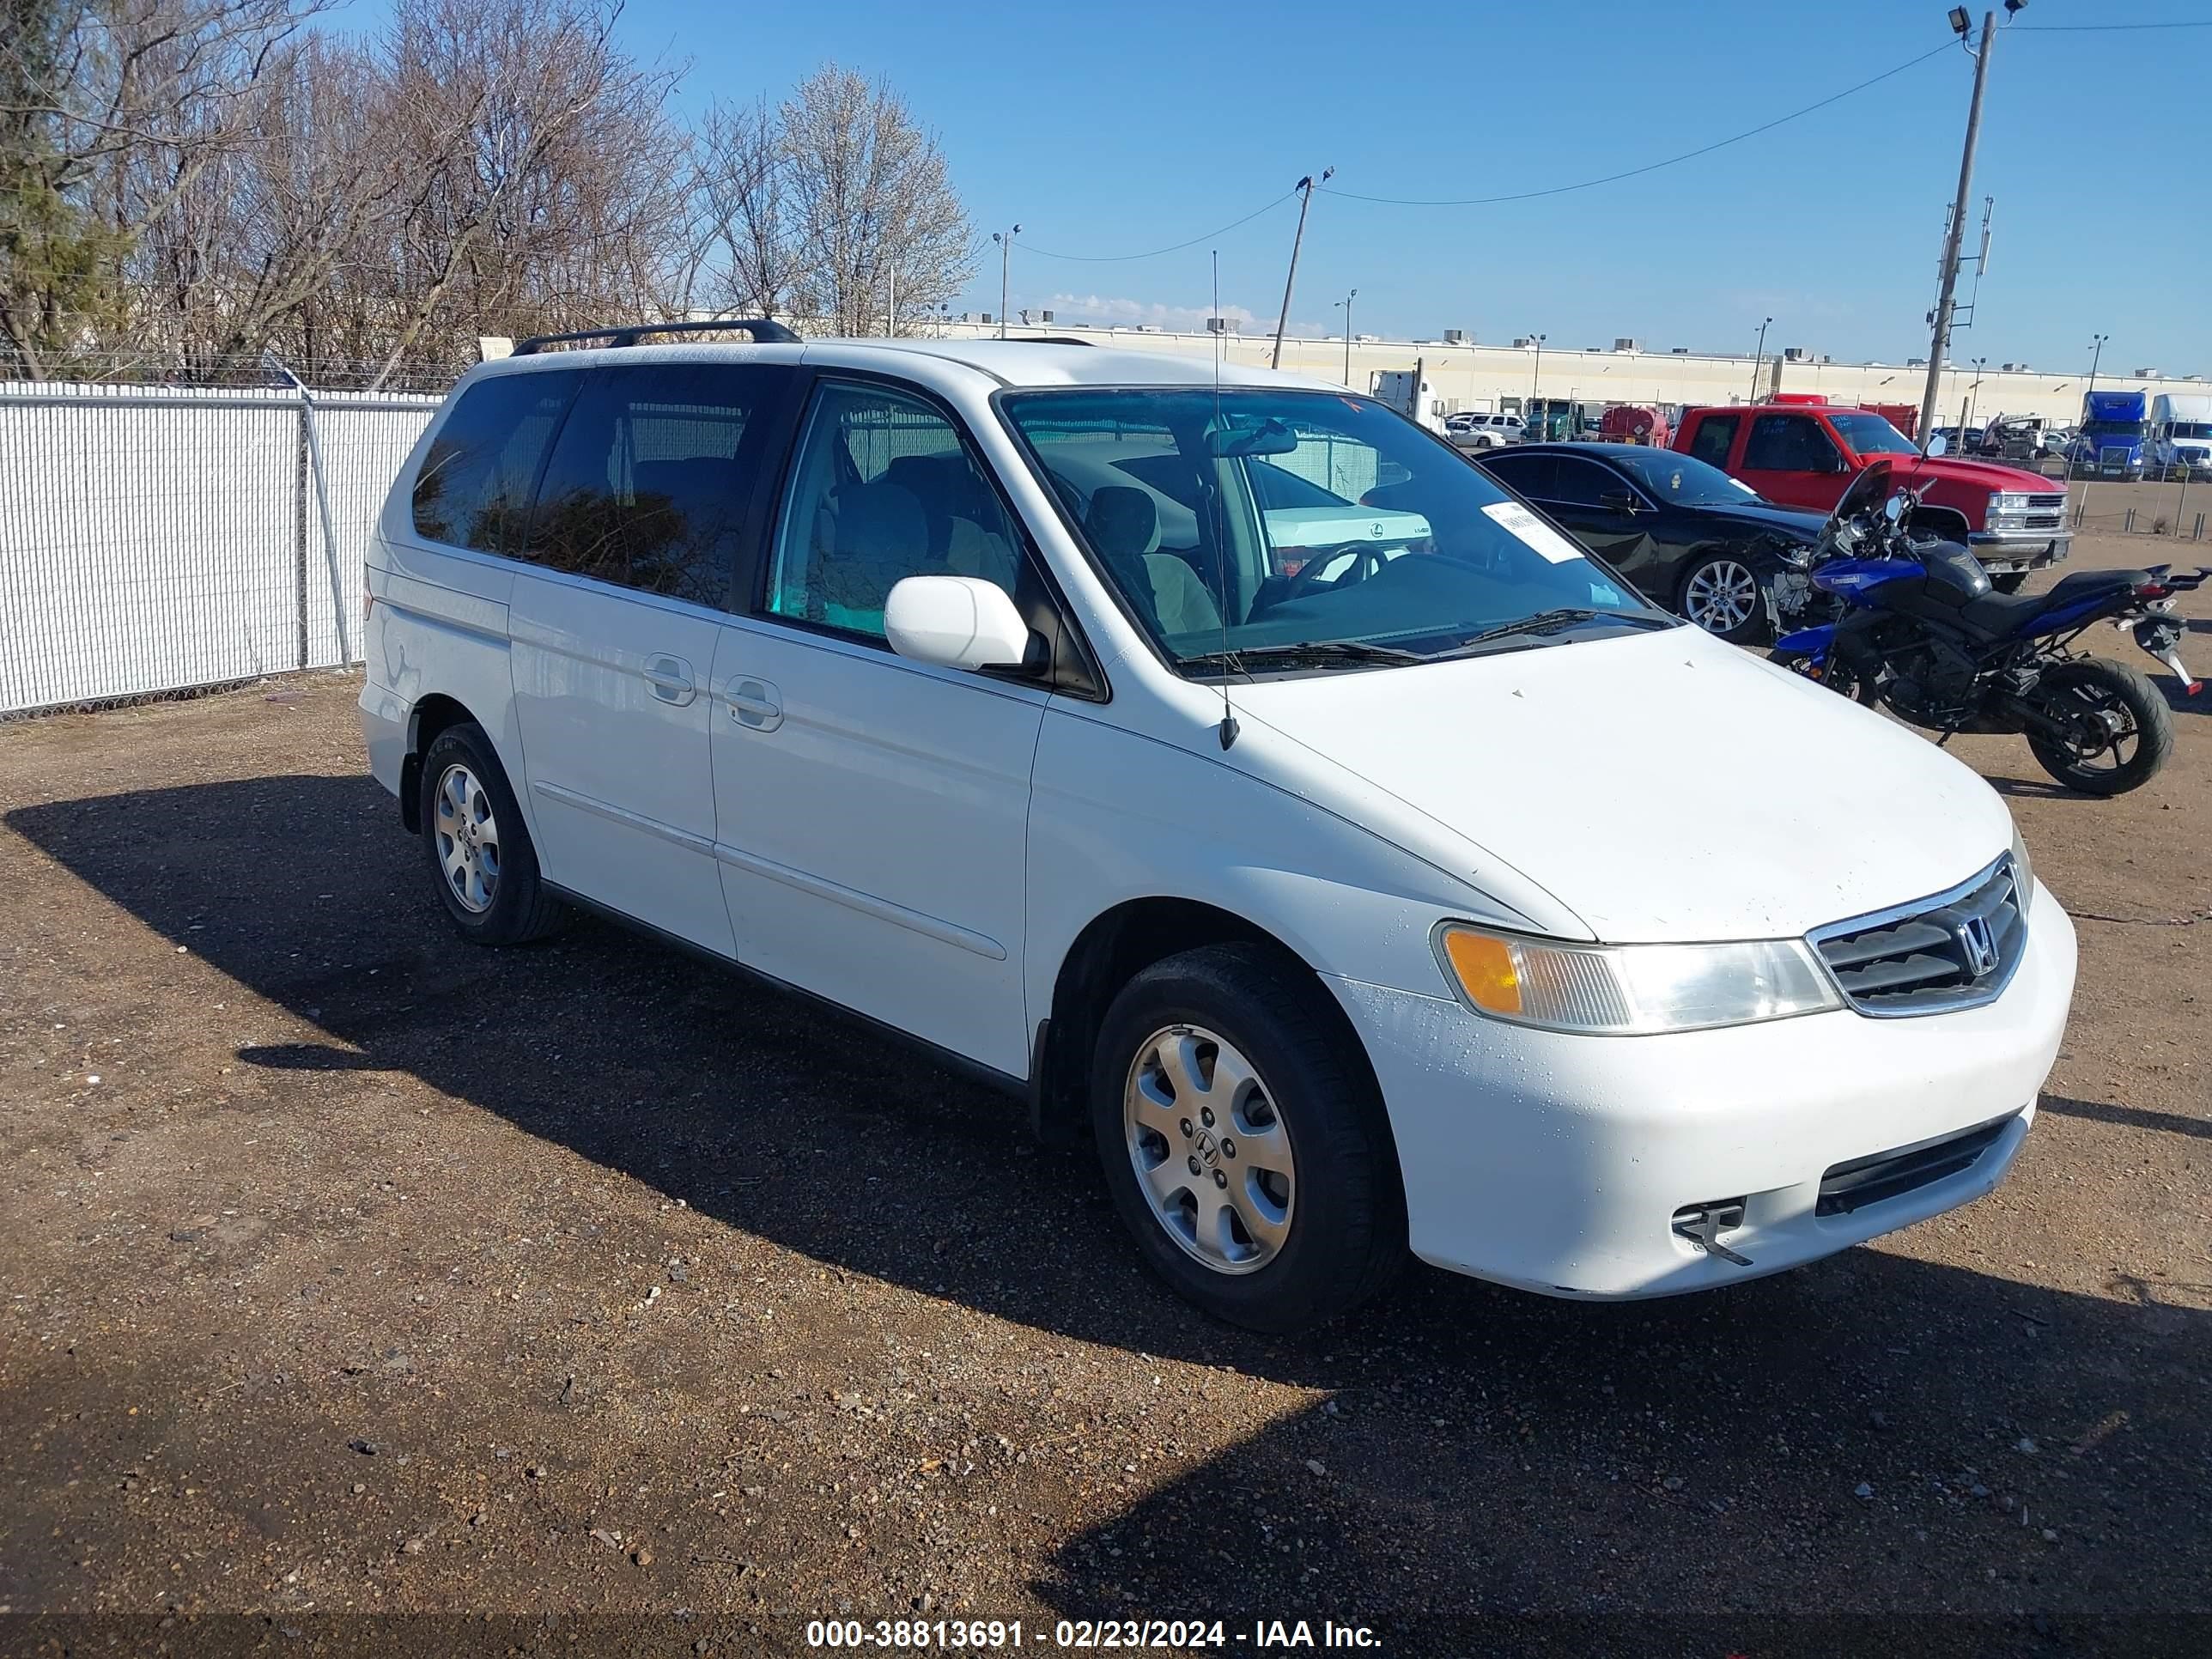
1909,472
1793,522
1661,787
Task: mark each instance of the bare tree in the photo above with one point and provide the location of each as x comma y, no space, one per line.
743,215
872,209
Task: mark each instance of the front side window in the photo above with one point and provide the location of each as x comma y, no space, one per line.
1789,443
1868,433
883,489
1411,552
1715,437
1584,483
648,483
474,489
1534,473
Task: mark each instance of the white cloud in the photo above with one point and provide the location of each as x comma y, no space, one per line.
1101,308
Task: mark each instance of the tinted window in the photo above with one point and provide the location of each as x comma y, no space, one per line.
883,489
1533,476
1715,437
1686,481
1870,433
647,484
1580,483
1787,443
474,487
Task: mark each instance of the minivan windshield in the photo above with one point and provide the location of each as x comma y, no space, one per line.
1257,528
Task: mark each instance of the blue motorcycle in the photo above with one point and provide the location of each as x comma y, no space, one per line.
1919,630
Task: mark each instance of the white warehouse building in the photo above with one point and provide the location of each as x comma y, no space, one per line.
1466,376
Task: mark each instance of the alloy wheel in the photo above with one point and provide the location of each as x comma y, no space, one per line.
468,839
1211,1155
1721,597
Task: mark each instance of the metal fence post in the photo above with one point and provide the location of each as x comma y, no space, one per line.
300,531
322,504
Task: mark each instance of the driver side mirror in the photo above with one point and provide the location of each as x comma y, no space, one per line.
959,622
1938,444
1893,508
1619,501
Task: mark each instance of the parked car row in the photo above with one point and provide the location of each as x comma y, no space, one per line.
1224,767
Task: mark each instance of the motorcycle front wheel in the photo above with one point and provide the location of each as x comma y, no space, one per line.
2114,731
1834,674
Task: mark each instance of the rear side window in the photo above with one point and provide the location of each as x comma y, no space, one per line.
1715,437
1534,476
1583,483
474,487
1787,443
650,479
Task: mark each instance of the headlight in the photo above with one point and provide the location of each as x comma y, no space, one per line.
1632,990
2008,500
2023,875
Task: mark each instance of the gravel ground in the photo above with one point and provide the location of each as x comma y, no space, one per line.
349,1270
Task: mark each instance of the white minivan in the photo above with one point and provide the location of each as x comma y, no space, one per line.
1354,900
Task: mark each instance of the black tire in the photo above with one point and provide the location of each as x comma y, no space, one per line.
1345,1239
2008,581
519,907
2088,689
1710,577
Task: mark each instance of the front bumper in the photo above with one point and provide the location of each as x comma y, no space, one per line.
1560,1164
2011,550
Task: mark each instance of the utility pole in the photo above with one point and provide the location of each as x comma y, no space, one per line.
1759,359
2097,351
1005,253
1283,322
1536,375
1957,228
1347,303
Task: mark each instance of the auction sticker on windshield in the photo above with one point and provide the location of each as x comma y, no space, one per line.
1534,530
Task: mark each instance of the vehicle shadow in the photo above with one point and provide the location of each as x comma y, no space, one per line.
1471,1437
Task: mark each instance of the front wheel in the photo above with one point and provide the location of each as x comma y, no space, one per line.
2114,731
1721,595
1244,1143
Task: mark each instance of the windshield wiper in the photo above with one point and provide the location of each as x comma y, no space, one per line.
1308,653
1546,621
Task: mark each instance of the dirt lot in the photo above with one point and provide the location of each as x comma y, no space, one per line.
350,1270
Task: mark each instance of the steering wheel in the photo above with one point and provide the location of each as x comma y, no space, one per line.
1367,559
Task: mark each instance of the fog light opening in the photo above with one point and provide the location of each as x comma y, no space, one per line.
1702,1224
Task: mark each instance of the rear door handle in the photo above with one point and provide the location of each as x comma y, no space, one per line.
670,680
757,705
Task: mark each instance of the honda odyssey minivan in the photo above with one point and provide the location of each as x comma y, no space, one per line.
1353,900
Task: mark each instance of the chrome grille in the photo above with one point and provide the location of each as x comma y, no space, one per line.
2048,503
1956,950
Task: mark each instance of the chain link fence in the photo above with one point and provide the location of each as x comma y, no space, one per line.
2180,509
161,539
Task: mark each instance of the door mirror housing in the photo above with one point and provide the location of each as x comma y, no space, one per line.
1893,508
1619,501
1938,444
957,621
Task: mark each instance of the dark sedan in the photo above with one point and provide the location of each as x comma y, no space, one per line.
1692,538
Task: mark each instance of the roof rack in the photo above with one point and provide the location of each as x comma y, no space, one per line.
763,330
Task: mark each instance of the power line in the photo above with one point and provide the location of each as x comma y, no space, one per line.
1206,236
1653,167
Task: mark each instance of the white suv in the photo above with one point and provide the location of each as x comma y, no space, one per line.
1479,431
1351,898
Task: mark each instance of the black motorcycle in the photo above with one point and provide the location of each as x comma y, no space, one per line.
1923,633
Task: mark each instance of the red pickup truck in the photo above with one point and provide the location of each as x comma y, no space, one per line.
1805,455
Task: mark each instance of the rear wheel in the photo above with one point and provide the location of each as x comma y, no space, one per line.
1721,595
2116,731
1242,1140
480,851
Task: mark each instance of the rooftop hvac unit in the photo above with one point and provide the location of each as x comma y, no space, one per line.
1522,341
2012,369
2146,375
1047,315
1678,351
1217,325
1457,337
1794,354
1622,342
987,317
1916,362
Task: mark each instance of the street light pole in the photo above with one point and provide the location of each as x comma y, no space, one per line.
1290,280
1758,357
1951,238
1536,373
1347,303
1006,254
2097,345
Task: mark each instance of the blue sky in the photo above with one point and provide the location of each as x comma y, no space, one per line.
1112,130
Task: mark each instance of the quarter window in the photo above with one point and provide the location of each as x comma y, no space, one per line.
649,480
474,487
1715,437
884,490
